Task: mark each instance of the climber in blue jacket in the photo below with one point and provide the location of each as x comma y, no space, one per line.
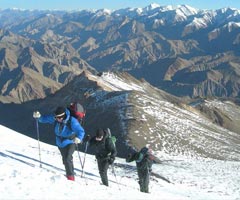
69,133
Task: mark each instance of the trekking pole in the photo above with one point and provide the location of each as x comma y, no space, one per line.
84,158
39,150
81,164
79,156
113,171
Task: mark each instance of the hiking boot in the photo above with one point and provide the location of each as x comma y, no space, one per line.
71,178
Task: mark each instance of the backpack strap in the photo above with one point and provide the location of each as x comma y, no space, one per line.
140,157
68,124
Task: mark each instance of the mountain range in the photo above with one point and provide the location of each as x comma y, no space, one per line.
164,77
182,50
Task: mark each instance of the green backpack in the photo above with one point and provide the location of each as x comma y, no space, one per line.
113,138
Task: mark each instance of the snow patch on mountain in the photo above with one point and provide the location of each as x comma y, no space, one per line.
115,83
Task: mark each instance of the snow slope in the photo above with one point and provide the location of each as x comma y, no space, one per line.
21,176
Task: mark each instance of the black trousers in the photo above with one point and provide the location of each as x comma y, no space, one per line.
144,177
67,158
103,166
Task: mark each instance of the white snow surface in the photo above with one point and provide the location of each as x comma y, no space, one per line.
116,83
21,176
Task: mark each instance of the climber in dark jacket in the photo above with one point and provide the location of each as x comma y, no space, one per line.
144,161
105,152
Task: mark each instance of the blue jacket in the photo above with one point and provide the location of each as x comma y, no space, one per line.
64,133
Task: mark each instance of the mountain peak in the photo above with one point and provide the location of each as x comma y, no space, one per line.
152,6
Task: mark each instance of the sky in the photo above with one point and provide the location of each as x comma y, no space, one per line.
113,4
22,177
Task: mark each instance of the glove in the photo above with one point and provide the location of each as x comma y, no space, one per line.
111,160
87,138
36,114
76,140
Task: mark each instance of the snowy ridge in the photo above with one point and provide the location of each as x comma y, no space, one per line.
153,118
115,83
196,134
195,18
120,84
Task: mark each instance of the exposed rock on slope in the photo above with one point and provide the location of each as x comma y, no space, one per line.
138,114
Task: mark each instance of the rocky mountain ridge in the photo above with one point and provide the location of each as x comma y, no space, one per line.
181,50
138,114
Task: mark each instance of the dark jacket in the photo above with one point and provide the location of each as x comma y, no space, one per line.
144,161
104,149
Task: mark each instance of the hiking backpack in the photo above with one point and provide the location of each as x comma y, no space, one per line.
144,152
112,137
77,111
